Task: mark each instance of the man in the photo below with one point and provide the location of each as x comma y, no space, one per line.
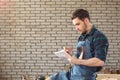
91,50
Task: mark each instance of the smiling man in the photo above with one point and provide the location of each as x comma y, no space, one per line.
91,50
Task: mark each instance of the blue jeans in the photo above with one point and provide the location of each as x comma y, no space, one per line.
63,76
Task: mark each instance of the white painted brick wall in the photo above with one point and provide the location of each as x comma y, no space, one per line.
31,30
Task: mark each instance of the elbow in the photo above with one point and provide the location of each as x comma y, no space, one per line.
99,62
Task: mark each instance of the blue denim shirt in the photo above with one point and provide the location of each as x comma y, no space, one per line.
97,47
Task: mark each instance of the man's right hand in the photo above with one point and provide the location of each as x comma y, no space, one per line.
68,50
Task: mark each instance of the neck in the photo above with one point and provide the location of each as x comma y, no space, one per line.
89,27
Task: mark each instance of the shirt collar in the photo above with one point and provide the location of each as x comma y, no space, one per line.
92,30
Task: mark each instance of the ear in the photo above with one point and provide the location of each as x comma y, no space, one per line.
86,20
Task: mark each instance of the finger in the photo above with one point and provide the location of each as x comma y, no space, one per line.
70,49
65,49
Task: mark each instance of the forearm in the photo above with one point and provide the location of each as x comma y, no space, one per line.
90,62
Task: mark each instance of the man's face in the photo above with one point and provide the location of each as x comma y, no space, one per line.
80,25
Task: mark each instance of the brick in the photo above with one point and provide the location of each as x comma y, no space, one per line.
32,30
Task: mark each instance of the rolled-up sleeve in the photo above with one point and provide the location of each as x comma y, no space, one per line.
101,46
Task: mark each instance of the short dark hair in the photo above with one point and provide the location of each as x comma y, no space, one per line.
81,14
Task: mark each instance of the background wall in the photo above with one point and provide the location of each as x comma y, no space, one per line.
31,30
